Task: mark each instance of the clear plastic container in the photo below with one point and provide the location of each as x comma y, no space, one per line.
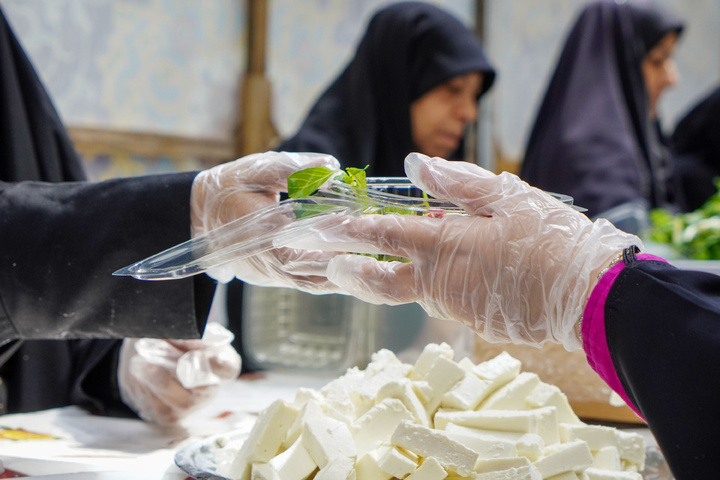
287,329
290,330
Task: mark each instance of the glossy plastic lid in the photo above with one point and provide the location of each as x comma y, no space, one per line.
247,236
281,223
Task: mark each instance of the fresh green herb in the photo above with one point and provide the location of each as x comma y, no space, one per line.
304,183
356,177
694,235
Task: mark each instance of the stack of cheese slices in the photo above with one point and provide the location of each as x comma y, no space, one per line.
437,419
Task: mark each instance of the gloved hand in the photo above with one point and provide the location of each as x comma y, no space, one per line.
165,380
519,269
231,190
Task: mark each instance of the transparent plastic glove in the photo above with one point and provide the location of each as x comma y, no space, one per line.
519,269
231,190
165,380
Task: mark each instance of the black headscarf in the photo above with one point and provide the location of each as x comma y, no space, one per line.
593,137
34,144
696,147
363,118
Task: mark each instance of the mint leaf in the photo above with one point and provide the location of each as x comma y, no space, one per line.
356,177
304,182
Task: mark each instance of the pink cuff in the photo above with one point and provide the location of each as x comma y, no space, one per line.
593,330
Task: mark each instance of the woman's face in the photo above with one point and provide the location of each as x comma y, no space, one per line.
439,117
659,69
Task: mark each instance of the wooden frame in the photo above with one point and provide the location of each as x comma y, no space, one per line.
95,141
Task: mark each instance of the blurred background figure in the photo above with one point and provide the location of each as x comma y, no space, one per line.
413,85
34,145
696,149
43,374
597,134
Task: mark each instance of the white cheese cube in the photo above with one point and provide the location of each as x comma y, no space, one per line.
482,442
426,442
427,358
466,364
541,421
494,444
502,463
598,474
292,464
423,390
368,468
326,439
263,471
377,425
385,360
498,370
443,375
340,468
265,438
308,411
596,436
402,390
346,413
607,458
366,394
632,448
506,420
345,394
565,457
518,468
513,395
546,395
530,445
467,393
429,470
304,394
565,476
398,463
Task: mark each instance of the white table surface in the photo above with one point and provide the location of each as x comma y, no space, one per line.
105,448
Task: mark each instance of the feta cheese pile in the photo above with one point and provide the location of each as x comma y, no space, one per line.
434,420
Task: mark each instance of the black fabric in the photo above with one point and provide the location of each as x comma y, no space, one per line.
593,137
100,227
34,144
55,280
61,243
363,118
696,146
663,332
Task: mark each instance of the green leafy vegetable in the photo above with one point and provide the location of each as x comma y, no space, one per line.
304,183
694,235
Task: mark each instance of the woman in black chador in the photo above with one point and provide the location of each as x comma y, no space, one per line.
696,150
413,85
596,136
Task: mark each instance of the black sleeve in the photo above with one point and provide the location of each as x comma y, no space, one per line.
663,333
60,244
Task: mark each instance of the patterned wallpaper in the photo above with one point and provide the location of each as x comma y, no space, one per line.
173,66
167,66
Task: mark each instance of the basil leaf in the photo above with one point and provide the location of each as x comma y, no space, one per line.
304,182
356,177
